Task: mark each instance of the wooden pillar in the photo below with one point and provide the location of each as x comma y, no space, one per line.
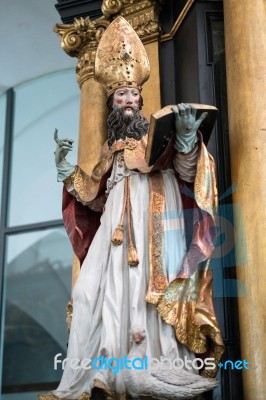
245,45
151,89
80,40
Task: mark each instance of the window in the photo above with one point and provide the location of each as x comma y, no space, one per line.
40,106
2,134
36,256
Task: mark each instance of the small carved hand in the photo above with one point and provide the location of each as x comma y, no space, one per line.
62,148
185,119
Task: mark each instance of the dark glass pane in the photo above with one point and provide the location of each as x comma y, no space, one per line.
37,289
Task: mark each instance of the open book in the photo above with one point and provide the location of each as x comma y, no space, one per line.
162,127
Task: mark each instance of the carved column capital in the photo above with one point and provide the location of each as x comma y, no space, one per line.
80,40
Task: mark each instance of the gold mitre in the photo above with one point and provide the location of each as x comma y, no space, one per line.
121,59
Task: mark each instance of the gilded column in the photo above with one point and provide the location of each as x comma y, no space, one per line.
80,40
245,41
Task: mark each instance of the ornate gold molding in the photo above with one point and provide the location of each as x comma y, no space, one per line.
179,20
80,40
143,15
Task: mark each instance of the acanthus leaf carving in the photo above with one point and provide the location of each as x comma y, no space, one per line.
80,40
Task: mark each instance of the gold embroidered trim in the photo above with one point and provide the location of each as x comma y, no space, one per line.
120,159
70,179
135,156
87,187
117,146
128,143
158,278
205,187
193,320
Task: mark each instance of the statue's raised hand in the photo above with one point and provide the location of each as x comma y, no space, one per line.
63,146
186,126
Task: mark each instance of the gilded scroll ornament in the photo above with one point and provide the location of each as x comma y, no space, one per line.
80,40
142,15
111,7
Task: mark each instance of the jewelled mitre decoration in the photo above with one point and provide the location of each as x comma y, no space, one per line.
121,59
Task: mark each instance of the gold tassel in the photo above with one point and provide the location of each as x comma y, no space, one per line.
132,256
118,234
117,237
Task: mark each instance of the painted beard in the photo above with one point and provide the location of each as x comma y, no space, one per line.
121,125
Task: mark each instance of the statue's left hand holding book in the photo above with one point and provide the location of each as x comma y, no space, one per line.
162,128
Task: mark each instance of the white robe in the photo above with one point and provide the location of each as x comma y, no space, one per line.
109,295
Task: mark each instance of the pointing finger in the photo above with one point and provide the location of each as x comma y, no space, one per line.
56,135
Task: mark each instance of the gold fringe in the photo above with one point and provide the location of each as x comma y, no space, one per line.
153,297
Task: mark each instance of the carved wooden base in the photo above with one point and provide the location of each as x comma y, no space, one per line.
50,396
85,396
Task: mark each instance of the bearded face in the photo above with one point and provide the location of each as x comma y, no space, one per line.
125,120
122,125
